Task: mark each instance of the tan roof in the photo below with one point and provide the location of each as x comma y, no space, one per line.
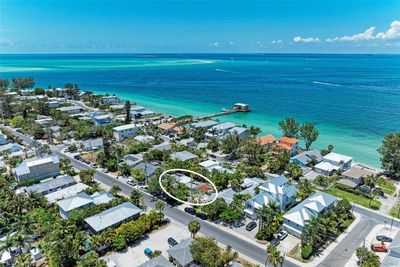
266,139
167,126
288,140
285,146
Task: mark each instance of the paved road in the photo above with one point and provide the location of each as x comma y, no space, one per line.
337,258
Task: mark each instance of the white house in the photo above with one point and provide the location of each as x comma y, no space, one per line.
92,144
277,189
12,147
70,109
220,130
333,162
296,219
203,124
37,168
124,131
3,138
111,100
213,165
242,132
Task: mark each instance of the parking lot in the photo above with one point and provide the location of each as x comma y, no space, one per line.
157,240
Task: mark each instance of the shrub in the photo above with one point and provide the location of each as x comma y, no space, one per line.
306,252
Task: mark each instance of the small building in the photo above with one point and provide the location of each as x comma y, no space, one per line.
296,219
144,138
241,107
289,144
163,146
220,130
132,159
51,185
180,254
5,258
44,120
170,128
11,147
113,217
66,192
353,176
148,168
3,138
37,168
213,165
70,109
277,190
266,141
392,259
203,124
92,144
124,131
306,157
242,132
339,160
36,254
103,119
110,100
183,156
325,168
159,261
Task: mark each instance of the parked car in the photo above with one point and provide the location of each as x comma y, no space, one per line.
94,165
250,226
365,188
131,182
377,190
378,248
282,235
213,156
148,252
190,210
77,157
275,242
201,215
384,238
172,242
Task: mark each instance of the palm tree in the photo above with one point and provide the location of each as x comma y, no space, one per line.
160,206
314,233
274,256
194,227
305,189
24,260
370,180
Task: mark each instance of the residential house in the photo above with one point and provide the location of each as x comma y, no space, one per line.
144,138
332,163
139,112
203,124
66,192
124,131
148,168
92,144
11,147
159,261
306,157
112,217
242,132
183,156
132,159
110,100
278,190
3,138
170,128
82,200
37,168
51,185
296,219
214,165
71,109
180,254
291,145
163,146
266,141
353,176
220,130
44,120
392,258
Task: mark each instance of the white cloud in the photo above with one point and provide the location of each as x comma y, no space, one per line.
369,34
277,42
299,39
392,33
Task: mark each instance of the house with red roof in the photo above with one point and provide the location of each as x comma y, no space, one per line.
289,144
266,141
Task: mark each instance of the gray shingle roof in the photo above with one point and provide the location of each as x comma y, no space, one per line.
112,216
23,168
52,184
75,202
306,156
181,252
159,261
183,155
150,169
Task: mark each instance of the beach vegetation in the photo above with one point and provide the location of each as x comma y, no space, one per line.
309,134
367,258
4,83
230,145
275,258
22,83
270,221
194,227
289,127
354,195
304,189
390,155
127,107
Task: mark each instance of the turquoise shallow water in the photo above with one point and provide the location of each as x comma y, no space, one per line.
353,99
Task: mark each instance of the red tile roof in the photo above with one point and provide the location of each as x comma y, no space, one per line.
288,140
266,139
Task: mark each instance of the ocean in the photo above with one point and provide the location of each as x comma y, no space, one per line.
354,100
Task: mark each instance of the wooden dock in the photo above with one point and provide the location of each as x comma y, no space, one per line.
225,112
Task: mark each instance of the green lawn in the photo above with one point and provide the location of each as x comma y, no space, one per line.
395,211
353,198
387,186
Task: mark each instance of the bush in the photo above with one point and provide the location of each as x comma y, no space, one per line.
306,252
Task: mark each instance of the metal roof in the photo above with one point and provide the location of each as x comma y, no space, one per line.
51,184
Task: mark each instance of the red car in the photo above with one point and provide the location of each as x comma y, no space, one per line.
378,248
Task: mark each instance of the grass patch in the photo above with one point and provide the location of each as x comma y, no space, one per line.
387,186
395,211
295,253
354,198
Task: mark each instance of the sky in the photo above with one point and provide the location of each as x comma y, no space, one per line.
201,26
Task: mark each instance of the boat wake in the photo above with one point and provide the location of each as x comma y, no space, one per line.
328,84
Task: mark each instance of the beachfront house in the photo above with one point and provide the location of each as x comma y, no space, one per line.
203,124
110,100
332,163
82,200
71,110
278,190
37,168
124,131
306,157
267,141
180,254
170,128
296,219
242,132
3,138
112,217
353,176
220,130
51,185
92,144
291,145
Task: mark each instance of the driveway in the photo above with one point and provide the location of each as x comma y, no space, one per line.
157,240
